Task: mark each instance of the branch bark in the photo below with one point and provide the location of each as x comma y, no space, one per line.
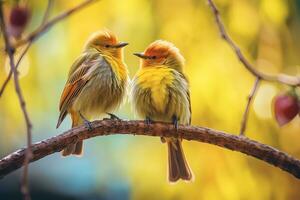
242,144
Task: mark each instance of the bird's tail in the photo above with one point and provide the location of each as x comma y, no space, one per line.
76,148
61,118
73,149
178,166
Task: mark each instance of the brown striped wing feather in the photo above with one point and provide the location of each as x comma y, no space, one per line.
73,87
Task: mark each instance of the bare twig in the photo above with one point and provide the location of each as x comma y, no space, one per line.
45,18
13,71
250,99
17,65
5,82
47,12
40,30
10,51
242,144
281,78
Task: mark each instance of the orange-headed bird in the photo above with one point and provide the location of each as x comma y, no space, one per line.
160,91
96,84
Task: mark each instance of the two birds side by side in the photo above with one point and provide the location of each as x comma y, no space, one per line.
98,81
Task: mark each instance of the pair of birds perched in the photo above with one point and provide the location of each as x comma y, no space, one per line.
97,84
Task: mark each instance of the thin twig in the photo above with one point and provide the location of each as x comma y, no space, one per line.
10,51
233,142
47,12
17,66
13,71
249,101
23,54
5,82
281,78
43,24
45,18
40,30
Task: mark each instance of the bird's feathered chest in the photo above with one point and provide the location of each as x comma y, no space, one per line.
155,81
105,88
96,84
160,92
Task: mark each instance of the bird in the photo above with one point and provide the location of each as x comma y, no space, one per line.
96,84
160,92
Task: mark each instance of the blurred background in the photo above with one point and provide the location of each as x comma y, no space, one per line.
131,167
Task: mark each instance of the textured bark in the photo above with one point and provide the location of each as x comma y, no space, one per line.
242,144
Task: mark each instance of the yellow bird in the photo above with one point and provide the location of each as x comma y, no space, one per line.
96,84
160,91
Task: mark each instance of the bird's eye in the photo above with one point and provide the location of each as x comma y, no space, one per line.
107,45
153,57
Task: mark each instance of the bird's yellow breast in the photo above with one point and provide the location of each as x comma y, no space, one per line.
118,67
157,80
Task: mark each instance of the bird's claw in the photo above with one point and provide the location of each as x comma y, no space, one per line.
86,122
88,125
148,121
113,116
163,140
176,124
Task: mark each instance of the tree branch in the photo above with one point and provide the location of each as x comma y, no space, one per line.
17,65
242,144
39,31
47,12
10,52
45,26
250,100
281,78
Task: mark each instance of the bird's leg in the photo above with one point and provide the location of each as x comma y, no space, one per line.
175,120
148,120
86,122
163,140
113,116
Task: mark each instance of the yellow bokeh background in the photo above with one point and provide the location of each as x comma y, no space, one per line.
132,167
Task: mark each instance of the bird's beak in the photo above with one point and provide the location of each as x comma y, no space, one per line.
121,44
141,55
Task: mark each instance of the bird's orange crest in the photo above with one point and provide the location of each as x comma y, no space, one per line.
102,37
107,36
162,48
159,48
162,52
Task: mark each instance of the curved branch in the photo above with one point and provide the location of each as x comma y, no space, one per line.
201,134
10,52
46,25
249,101
280,78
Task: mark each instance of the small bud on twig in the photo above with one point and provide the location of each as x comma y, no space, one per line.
18,19
286,107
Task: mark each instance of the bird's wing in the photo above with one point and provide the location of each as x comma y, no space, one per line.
190,107
188,97
76,82
73,86
179,96
89,54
